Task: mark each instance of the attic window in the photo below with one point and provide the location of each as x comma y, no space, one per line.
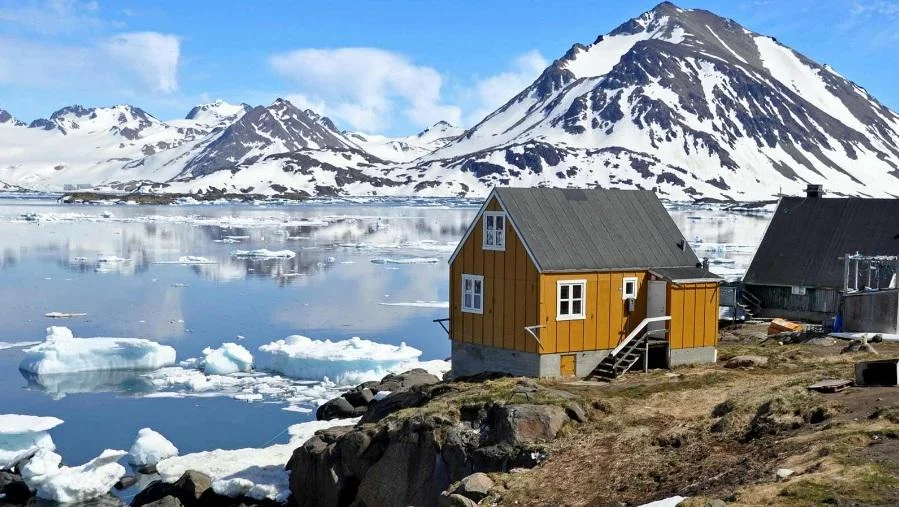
629,288
472,294
494,230
572,299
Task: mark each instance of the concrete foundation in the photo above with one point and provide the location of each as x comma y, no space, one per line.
871,312
585,363
695,355
471,358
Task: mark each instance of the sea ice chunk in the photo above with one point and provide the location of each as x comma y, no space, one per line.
21,436
227,359
301,357
62,353
150,448
44,475
265,253
256,473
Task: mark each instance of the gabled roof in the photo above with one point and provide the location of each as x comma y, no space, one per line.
594,229
807,236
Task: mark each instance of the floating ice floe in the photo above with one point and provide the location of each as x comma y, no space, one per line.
150,448
406,260
58,385
15,345
50,481
63,315
257,473
62,353
264,253
227,359
301,357
189,260
419,304
21,436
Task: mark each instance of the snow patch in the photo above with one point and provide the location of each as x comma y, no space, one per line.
150,448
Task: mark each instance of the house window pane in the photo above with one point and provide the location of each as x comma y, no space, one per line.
563,307
576,307
477,301
477,286
499,237
563,292
489,222
576,291
467,300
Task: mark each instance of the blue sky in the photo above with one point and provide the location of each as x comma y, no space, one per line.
378,66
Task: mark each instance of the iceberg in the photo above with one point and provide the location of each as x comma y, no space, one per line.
227,359
22,436
63,353
257,473
150,448
301,357
44,474
406,260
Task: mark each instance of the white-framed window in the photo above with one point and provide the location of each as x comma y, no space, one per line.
494,230
473,293
571,299
629,288
797,291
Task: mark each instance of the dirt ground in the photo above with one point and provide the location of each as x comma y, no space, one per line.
713,433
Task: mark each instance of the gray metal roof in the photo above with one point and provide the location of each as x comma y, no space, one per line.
807,236
595,229
685,274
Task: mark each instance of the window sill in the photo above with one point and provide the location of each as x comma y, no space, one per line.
472,310
495,248
571,317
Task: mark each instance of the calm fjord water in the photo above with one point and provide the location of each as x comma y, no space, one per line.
331,289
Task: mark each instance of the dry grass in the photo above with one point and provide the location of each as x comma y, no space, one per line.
660,434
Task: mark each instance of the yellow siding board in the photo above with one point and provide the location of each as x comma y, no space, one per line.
604,312
532,308
676,309
589,340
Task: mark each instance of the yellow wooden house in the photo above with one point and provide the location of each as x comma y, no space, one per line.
569,282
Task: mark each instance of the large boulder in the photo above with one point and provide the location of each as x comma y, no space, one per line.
476,486
524,424
314,477
394,402
406,474
338,408
406,380
359,397
166,501
187,489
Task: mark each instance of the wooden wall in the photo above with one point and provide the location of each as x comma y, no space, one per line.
694,315
606,324
510,292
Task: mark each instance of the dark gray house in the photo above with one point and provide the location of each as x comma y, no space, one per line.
800,267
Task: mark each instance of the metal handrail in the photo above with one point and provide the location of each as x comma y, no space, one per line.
636,331
530,330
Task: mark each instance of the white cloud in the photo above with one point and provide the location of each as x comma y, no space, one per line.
491,92
137,62
151,56
364,87
51,16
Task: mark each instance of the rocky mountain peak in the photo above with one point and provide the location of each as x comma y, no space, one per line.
7,119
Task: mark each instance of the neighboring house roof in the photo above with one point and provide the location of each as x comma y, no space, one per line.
807,236
685,275
594,229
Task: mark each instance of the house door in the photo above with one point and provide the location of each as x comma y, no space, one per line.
657,302
567,364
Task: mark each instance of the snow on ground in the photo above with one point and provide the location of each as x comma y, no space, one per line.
150,448
15,345
264,253
667,502
406,260
63,353
44,475
256,473
21,436
301,357
419,304
227,359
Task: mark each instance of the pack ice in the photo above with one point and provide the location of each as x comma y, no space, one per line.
21,436
63,353
301,357
150,448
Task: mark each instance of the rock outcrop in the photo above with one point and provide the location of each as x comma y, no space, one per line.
421,446
357,401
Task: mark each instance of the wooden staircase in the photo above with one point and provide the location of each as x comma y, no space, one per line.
629,352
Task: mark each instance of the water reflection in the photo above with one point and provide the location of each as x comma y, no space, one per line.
58,385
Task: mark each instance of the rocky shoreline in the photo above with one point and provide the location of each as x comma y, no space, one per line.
420,441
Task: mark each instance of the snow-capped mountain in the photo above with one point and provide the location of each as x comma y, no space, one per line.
689,104
683,102
217,114
405,149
